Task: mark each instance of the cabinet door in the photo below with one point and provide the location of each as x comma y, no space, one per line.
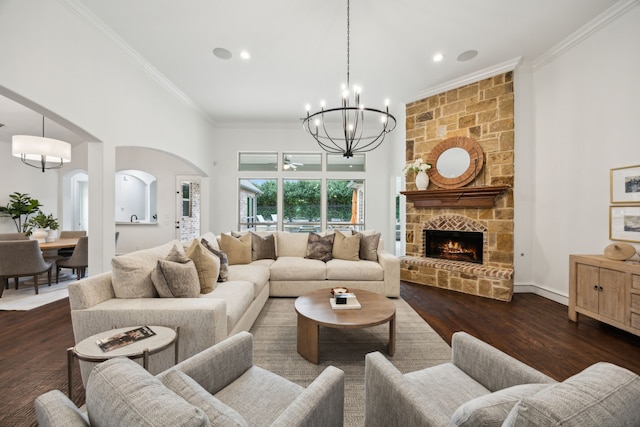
611,299
587,278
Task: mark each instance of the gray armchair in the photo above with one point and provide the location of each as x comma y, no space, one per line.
67,234
78,261
13,236
218,386
21,258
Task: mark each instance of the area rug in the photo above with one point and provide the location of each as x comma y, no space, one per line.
25,298
417,346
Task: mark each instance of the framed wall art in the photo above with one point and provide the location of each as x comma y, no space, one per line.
624,223
625,185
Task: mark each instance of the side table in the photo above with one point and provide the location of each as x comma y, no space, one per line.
88,351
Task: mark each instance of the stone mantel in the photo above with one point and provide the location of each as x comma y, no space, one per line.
465,197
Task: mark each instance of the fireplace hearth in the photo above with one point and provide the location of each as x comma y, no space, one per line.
454,245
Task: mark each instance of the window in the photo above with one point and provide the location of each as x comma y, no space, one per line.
258,161
301,162
339,163
345,205
301,205
258,204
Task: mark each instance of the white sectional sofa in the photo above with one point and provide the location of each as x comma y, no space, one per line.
126,295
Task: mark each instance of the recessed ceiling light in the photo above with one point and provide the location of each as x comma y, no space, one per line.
222,53
438,57
245,55
468,55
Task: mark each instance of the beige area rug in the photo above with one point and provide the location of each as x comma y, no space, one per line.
417,346
25,298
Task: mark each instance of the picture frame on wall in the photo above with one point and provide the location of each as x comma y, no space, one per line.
625,185
624,223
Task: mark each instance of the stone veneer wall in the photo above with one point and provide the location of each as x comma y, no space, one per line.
484,112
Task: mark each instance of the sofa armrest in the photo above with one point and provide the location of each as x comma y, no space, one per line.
91,291
391,266
221,364
320,404
491,367
390,400
54,409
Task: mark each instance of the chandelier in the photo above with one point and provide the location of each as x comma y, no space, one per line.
343,130
40,152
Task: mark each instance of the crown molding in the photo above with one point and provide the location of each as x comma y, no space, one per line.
486,73
618,9
84,13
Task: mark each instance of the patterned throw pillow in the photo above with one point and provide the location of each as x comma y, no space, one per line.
320,247
224,260
263,247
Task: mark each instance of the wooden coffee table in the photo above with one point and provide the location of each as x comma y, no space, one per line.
314,310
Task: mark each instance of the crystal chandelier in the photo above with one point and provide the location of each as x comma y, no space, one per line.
343,130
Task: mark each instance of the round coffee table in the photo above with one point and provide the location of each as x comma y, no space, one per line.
314,310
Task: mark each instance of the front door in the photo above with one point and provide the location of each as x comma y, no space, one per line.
187,207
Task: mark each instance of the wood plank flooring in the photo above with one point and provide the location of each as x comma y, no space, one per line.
531,328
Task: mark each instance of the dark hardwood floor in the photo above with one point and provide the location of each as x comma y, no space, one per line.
531,328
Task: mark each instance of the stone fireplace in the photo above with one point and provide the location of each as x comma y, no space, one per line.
482,111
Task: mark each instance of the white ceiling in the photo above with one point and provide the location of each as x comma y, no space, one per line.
298,48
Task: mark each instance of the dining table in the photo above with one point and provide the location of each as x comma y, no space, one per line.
59,244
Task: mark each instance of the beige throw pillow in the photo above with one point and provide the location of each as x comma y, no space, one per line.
346,247
237,249
207,266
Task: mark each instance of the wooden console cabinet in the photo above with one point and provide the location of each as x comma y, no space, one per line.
606,290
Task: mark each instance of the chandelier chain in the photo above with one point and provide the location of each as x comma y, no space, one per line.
348,43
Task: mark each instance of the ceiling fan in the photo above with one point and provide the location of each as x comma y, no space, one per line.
288,164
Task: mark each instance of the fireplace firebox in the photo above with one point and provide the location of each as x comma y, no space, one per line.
454,245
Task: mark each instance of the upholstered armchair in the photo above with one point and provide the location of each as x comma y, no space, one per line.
21,258
13,236
78,261
68,234
218,386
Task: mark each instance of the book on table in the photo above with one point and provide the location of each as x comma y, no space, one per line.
347,301
125,338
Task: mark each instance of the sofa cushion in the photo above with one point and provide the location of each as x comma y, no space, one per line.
186,387
181,279
320,247
237,249
131,273
601,395
224,260
369,247
207,265
492,409
296,268
254,273
291,244
339,269
238,295
55,409
263,247
122,393
346,247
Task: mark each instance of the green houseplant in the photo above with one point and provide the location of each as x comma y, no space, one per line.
40,223
20,208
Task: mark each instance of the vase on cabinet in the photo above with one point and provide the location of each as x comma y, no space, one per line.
422,180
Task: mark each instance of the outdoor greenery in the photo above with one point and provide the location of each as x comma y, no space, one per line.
20,208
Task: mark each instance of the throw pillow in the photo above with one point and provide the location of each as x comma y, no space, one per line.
492,409
122,393
262,247
601,395
157,278
369,246
211,238
291,244
237,249
320,247
186,387
207,266
346,247
224,260
181,279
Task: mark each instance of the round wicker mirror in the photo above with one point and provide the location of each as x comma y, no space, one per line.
456,162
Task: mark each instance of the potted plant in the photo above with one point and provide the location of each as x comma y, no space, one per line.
40,223
20,208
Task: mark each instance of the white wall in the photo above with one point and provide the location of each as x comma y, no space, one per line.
586,115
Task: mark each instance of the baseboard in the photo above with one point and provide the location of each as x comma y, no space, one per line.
552,294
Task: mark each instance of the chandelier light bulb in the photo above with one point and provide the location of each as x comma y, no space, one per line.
308,108
386,102
322,103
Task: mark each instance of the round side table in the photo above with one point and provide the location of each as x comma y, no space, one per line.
89,351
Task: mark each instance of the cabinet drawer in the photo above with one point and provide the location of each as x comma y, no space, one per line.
635,302
635,320
635,281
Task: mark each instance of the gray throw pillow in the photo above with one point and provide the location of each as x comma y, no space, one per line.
218,413
369,246
224,260
492,409
263,247
320,247
122,393
181,279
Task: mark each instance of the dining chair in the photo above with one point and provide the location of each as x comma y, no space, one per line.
22,258
13,236
67,234
78,261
